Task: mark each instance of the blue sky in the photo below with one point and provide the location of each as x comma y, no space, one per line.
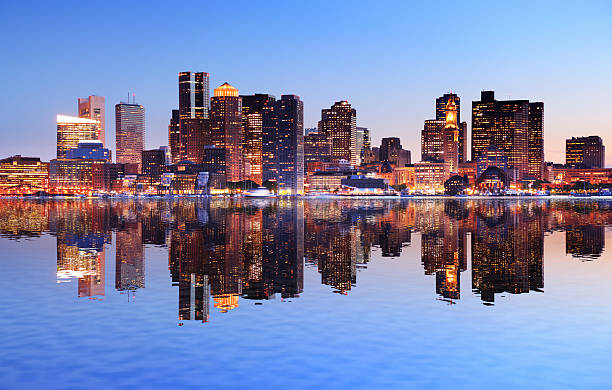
389,59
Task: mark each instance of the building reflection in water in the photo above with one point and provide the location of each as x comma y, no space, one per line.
222,250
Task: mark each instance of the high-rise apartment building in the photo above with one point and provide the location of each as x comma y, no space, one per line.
92,107
194,95
339,124
129,133
71,130
585,152
505,125
226,129
290,141
153,162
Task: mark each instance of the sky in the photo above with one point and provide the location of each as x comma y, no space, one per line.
389,59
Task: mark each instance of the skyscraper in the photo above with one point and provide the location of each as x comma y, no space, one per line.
506,125
92,107
71,130
451,137
441,103
339,124
290,141
316,148
226,129
193,138
194,95
259,128
129,133
585,152
363,141
174,137
389,149
432,140
536,140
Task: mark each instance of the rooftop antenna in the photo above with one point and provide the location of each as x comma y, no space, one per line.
134,98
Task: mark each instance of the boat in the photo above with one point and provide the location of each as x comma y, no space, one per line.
259,192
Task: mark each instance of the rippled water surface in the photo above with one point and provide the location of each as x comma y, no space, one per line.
335,293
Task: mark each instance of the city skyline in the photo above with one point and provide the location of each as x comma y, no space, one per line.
575,101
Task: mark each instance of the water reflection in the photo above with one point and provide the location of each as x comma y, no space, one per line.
222,251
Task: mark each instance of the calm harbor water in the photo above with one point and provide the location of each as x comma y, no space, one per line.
330,293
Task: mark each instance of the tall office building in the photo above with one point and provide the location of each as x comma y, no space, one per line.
505,125
363,141
389,148
451,137
129,133
71,130
226,129
536,140
259,129
585,152
92,107
339,124
194,95
316,148
432,140
174,137
193,139
290,141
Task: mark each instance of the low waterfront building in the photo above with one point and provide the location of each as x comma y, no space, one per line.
72,175
404,176
326,181
493,179
456,185
430,176
23,175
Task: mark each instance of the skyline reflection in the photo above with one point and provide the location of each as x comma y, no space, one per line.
224,251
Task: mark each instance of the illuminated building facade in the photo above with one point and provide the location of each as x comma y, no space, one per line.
76,174
92,107
194,95
260,129
536,140
90,150
391,151
71,130
451,137
23,174
339,124
441,104
129,133
585,152
153,162
491,157
316,149
430,176
226,129
174,137
103,175
290,145
192,139
506,125
432,140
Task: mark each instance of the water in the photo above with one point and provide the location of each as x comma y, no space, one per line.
334,293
